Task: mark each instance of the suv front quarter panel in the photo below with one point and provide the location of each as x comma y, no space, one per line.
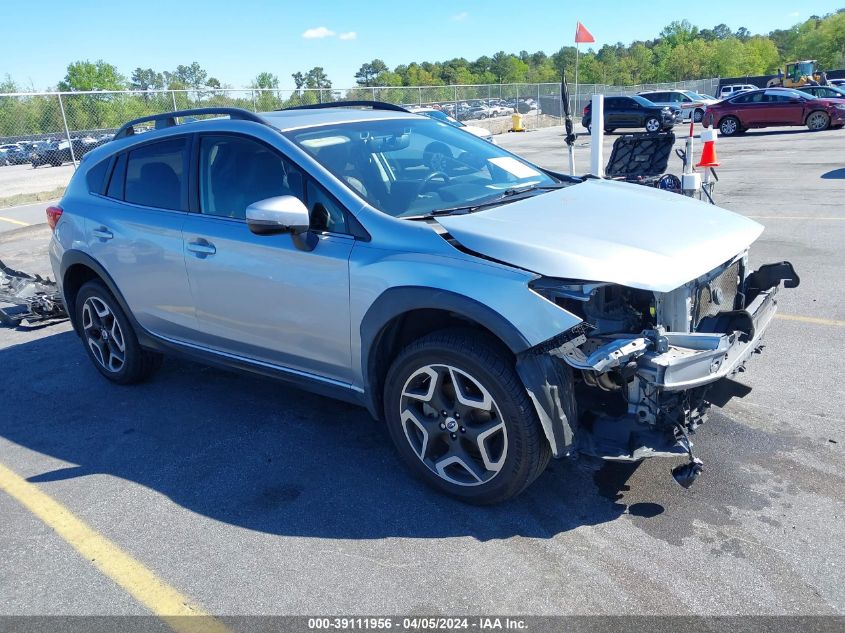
456,282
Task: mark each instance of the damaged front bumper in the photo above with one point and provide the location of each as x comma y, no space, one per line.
658,380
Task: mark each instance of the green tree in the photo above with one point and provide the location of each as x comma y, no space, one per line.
146,79
192,76
86,75
265,81
367,74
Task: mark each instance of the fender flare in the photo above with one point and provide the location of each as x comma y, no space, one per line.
394,302
73,257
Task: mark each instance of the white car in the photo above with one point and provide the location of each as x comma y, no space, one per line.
692,104
438,115
500,110
731,90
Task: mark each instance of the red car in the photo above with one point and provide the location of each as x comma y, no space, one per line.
774,106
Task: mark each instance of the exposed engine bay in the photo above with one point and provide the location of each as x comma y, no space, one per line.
633,379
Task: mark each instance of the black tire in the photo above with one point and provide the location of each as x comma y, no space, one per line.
138,364
654,123
482,359
730,126
817,121
697,115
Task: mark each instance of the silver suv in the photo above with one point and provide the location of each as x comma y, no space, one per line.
492,313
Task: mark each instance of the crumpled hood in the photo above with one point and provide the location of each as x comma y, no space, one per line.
601,230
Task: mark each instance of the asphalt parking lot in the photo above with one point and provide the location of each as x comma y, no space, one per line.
251,497
25,179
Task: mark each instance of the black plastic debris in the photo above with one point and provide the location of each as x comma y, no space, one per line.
30,298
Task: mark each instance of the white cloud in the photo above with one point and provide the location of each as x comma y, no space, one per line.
318,33
460,17
349,35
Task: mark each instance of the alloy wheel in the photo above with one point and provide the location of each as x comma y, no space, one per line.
652,125
103,335
728,127
453,425
817,121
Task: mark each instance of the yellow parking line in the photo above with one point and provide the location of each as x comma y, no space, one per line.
147,588
14,221
809,319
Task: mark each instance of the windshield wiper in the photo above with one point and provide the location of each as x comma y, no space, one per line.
508,195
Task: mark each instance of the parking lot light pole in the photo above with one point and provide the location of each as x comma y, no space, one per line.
67,132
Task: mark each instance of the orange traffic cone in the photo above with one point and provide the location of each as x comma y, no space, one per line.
708,152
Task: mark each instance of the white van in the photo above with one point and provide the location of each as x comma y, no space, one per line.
729,91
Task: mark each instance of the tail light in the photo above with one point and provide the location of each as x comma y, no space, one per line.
53,215
586,109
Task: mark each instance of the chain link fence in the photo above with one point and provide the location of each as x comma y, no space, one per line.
56,129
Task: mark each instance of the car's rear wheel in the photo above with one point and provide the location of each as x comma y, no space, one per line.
698,115
461,419
729,126
818,121
652,124
109,339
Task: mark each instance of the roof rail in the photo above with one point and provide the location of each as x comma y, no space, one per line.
168,119
375,105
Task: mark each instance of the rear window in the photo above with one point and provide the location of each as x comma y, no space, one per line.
155,175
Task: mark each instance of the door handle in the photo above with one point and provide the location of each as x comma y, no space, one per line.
102,233
202,248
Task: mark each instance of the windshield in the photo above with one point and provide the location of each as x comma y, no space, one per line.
437,115
418,166
644,102
786,92
694,95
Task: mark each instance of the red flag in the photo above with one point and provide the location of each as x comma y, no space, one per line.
582,35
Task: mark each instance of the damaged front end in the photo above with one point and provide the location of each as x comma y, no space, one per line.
637,376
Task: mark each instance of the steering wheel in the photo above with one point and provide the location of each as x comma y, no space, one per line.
425,182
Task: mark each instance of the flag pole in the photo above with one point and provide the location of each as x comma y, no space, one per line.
575,97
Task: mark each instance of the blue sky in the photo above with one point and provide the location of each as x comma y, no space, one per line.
236,39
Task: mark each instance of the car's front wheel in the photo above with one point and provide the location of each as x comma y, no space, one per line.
698,115
461,419
652,124
109,339
818,121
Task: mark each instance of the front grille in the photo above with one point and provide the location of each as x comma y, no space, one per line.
717,295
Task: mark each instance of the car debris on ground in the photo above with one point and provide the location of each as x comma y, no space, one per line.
30,298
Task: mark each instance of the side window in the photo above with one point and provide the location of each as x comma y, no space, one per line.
155,175
118,178
236,171
96,176
326,213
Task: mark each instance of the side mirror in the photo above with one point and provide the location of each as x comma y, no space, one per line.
282,214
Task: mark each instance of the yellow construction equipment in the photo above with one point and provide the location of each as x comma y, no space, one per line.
803,73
